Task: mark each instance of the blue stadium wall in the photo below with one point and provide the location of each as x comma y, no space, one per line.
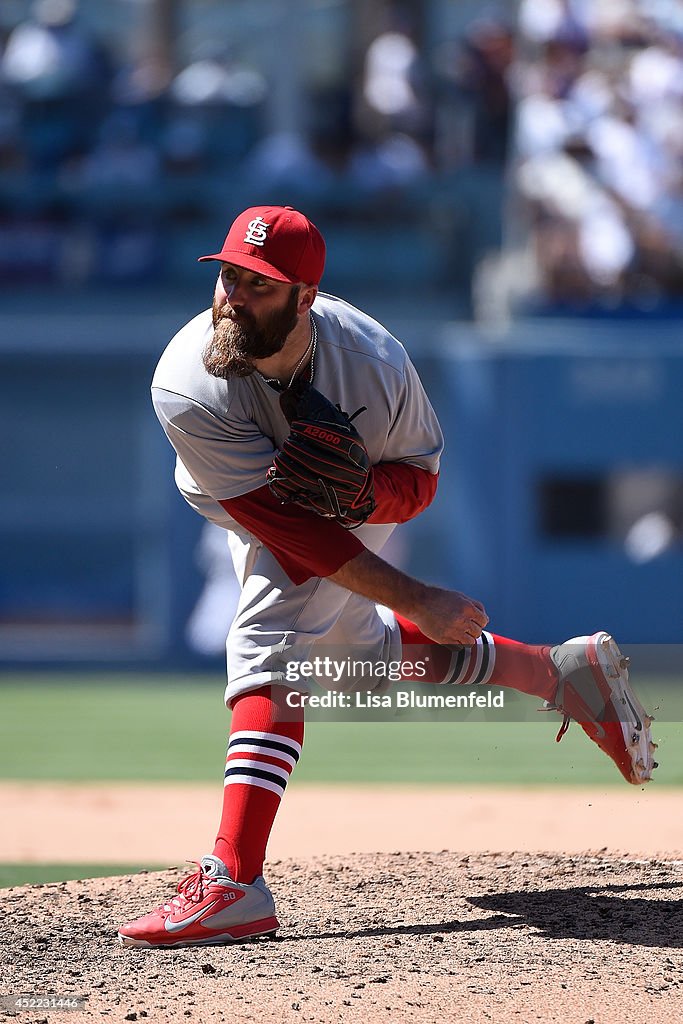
560,500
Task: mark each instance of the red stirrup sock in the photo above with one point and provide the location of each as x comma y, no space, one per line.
493,660
263,748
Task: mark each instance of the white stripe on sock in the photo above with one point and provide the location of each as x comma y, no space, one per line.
250,780
244,747
253,734
463,668
492,659
477,650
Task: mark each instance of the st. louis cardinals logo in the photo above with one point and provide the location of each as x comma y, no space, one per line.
256,231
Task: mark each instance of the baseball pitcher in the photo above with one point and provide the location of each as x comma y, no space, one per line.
302,429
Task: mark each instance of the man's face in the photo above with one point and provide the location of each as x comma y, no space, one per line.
252,318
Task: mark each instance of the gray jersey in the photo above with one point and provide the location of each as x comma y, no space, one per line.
225,432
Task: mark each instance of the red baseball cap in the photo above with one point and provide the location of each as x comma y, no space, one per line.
276,241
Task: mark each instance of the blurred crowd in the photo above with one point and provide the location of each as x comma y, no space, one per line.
568,123
598,167
91,144
67,106
99,151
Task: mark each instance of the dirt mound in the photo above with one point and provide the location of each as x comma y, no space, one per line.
393,937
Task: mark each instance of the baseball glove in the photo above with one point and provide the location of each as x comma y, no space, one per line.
323,465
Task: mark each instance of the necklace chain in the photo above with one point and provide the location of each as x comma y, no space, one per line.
312,345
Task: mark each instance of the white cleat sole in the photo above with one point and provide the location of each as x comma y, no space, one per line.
224,939
633,718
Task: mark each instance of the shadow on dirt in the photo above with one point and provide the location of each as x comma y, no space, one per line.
585,912
595,912
434,928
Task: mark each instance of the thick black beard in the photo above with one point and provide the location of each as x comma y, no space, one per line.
236,343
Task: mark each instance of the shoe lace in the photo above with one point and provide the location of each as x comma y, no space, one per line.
566,719
190,889
566,722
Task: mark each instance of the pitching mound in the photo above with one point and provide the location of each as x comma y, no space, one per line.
393,937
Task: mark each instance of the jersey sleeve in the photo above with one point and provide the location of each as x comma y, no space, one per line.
414,435
225,455
402,491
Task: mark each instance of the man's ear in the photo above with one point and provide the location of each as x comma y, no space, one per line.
306,298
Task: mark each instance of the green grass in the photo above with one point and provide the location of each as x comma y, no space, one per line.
39,874
128,728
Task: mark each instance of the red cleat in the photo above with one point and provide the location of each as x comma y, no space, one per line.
594,690
209,910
